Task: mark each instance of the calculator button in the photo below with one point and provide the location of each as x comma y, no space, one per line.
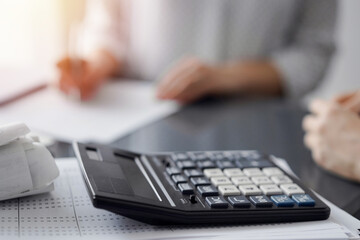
217,156
193,173
282,201
217,181
252,172
225,164
213,172
229,190
243,163
241,181
179,179
208,190
233,172
185,188
262,163
200,156
261,201
197,181
303,200
206,164
172,171
270,189
249,190
261,180
239,202
272,171
185,164
291,188
216,202
180,157
281,179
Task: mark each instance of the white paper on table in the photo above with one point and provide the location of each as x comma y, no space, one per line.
15,81
67,213
120,107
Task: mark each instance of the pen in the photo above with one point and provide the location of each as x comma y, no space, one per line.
23,94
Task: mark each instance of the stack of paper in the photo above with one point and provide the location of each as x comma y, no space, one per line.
119,108
67,213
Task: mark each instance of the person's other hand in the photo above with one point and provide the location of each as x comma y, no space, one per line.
333,136
191,79
84,76
350,101
187,81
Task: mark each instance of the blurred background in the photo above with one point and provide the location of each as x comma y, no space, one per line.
34,35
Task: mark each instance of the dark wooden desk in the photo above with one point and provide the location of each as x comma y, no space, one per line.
269,125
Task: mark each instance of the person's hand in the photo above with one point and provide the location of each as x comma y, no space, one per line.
83,76
191,79
188,81
333,136
350,101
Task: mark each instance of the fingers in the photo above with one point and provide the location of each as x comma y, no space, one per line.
341,99
311,123
79,76
353,103
186,82
319,107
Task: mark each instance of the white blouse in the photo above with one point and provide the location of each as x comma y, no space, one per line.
151,35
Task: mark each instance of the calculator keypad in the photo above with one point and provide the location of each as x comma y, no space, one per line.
237,179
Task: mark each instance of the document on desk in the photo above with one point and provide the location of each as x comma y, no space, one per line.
119,108
67,213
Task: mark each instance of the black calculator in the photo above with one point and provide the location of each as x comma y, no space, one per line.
207,187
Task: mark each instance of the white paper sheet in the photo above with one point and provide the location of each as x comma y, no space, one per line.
119,108
14,81
67,213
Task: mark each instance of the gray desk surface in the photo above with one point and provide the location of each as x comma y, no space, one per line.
269,125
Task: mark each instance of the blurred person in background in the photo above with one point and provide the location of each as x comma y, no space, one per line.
333,134
205,47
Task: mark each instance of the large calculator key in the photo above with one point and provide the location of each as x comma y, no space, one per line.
229,190
261,201
239,202
185,188
179,179
282,201
223,164
233,172
206,164
272,171
216,202
282,179
270,189
252,172
291,189
241,181
172,171
249,190
185,164
213,172
208,190
261,180
197,181
303,200
193,173
217,181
